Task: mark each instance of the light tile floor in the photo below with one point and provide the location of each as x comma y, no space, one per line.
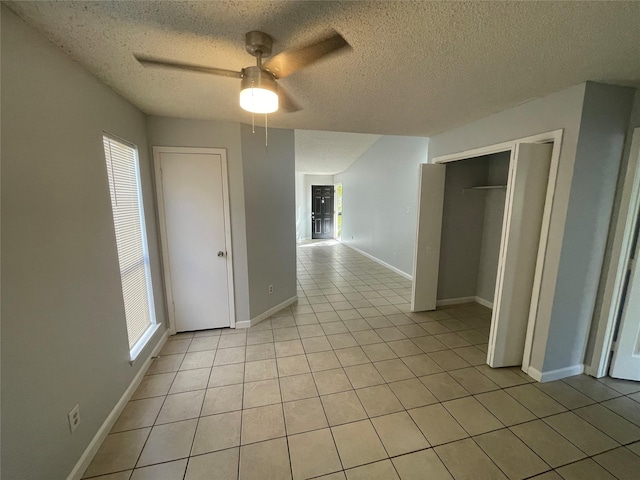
348,384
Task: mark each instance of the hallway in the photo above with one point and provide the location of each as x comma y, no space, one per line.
348,384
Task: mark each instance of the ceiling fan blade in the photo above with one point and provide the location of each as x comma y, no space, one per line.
285,102
291,61
155,62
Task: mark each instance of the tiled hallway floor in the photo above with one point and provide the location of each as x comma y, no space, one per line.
349,384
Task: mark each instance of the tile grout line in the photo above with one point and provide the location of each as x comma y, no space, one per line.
351,332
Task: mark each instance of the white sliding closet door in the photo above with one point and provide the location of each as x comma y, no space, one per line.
524,206
427,251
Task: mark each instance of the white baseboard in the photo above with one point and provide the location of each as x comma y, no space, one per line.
267,314
377,260
457,301
111,419
533,373
454,301
483,302
593,371
555,374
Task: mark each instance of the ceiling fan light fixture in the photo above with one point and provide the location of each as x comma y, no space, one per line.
258,92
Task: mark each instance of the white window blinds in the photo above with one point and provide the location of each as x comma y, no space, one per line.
128,219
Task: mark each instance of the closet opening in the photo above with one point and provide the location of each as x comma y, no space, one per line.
483,220
472,218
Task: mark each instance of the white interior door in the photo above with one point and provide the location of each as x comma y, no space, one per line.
524,207
195,239
427,253
626,357
619,276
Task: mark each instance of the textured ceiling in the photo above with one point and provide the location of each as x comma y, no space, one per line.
328,153
417,68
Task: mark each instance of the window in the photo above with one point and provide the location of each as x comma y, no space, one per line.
133,255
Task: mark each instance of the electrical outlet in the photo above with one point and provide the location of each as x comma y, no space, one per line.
74,417
270,289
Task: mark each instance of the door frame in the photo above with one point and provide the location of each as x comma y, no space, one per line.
166,270
620,252
554,137
338,214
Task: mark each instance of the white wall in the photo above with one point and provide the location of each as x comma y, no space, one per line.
64,338
179,132
303,201
269,198
380,194
566,299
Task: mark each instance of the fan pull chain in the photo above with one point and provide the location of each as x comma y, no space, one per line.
253,119
253,114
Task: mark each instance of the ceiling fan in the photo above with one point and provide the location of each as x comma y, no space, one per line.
260,92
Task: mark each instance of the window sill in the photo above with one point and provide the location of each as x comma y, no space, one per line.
137,348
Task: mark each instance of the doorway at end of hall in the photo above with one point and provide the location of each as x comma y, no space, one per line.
323,212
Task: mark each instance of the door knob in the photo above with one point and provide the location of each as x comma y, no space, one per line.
221,253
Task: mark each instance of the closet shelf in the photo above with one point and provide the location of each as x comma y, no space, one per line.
487,187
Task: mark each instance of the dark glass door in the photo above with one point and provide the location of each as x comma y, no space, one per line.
322,211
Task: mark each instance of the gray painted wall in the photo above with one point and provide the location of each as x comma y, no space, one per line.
494,202
64,338
566,300
302,218
261,187
269,198
303,201
380,195
472,227
561,110
605,119
634,123
462,222
179,132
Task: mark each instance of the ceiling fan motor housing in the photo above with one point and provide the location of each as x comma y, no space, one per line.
255,77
